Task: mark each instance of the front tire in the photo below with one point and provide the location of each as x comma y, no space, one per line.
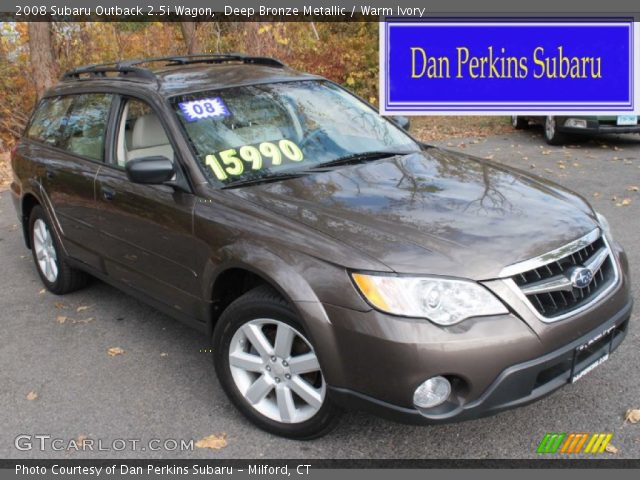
268,367
551,134
56,274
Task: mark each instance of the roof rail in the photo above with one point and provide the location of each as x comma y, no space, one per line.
221,58
101,70
128,69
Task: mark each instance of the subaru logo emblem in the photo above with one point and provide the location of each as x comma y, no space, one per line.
581,277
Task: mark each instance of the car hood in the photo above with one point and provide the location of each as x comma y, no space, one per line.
432,212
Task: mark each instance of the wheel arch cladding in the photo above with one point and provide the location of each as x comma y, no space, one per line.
234,277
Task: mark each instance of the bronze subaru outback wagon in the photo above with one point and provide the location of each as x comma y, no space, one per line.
334,261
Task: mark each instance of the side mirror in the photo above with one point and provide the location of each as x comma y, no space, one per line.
402,121
151,170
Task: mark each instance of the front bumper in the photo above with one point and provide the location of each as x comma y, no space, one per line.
595,127
517,385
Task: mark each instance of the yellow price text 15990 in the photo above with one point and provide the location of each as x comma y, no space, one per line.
232,161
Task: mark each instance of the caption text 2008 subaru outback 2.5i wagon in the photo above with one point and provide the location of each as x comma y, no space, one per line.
334,261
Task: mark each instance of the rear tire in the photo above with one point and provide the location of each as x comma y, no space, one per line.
519,123
56,274
253,377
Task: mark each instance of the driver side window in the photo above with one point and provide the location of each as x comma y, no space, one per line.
140,134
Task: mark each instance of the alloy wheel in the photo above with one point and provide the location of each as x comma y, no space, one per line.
45,250
277,371
550,127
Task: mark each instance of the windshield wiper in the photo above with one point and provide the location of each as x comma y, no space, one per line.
275,177
348,159
357,158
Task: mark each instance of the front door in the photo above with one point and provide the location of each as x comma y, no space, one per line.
147,230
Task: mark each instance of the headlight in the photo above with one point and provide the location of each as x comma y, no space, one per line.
443,301
604,224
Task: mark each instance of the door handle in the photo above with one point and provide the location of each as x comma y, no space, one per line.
50,174
108,194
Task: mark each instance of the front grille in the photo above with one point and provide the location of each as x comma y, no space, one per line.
549,288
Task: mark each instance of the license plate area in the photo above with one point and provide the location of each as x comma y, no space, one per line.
592,354
627,120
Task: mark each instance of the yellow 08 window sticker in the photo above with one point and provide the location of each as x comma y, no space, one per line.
231,162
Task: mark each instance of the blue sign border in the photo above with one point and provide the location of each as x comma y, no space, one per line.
389,107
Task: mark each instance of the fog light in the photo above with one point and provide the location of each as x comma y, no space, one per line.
432,392
575,123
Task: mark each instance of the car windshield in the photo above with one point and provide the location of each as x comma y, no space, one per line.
260,131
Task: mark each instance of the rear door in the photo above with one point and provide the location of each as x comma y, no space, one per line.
147,230
68,134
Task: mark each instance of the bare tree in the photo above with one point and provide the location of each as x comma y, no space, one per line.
315,31
190,38
218,35
43,63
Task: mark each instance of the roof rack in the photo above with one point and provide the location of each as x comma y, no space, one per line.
128,69
221,58
102,70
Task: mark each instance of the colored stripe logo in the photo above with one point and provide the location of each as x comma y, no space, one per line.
574,443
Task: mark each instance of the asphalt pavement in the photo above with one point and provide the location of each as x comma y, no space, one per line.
163,386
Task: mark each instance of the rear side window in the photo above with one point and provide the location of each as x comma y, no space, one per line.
86,125
47,122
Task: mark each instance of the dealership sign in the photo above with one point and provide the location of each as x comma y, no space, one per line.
500,67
